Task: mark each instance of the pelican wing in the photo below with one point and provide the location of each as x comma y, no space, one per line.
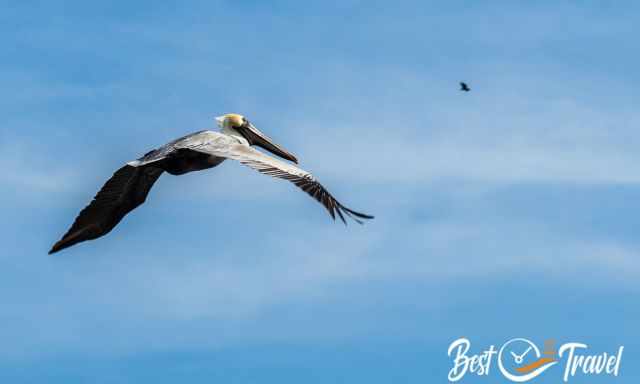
191,140
122,193
302,179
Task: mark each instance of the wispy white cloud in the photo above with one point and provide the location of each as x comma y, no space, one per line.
28,168
214,287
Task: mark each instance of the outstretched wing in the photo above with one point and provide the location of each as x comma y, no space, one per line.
169,149
122,193
302,179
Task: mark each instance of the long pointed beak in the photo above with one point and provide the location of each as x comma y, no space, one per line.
255,137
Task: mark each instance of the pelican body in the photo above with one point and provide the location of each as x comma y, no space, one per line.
130,185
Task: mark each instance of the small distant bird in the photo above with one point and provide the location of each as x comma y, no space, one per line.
129,186
464,87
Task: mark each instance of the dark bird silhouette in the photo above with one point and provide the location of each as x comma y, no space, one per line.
464,87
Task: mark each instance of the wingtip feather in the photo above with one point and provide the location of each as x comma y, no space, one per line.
56,247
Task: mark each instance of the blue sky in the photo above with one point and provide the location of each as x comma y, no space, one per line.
509,211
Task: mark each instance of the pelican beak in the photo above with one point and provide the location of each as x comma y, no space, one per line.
255,137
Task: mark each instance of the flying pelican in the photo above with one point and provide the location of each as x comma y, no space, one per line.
464,87
129,185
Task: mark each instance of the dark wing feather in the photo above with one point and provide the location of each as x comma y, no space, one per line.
302,179
122,193
314,189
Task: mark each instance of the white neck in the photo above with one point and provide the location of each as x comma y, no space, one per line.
232,132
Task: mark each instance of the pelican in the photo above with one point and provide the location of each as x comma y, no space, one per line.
129,186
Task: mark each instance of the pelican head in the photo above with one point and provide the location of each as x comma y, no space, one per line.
238,123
